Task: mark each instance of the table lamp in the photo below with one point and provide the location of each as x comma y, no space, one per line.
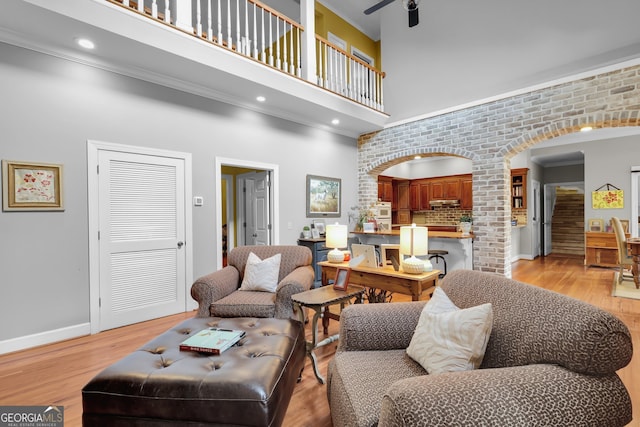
413,241
336,237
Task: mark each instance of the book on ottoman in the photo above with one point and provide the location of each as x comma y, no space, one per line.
212,340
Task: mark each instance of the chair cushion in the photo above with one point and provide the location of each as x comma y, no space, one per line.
261,274
360,379
245,304
448,339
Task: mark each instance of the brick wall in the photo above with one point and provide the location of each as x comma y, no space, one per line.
490,134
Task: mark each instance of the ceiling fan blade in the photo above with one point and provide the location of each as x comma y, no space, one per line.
413,17
377,6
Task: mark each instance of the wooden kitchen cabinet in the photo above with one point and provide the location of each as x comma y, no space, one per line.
424,187
403,195
447,188
385,188
414,195
601,249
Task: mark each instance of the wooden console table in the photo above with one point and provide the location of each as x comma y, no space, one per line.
385,278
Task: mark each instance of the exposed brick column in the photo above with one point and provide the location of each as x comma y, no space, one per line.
490,135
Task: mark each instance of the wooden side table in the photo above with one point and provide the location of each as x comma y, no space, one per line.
318,300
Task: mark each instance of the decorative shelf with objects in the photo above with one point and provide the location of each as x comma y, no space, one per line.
519,188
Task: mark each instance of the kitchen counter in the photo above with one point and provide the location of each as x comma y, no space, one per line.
459,246
432,234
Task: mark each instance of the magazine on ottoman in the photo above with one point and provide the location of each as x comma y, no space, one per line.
212,340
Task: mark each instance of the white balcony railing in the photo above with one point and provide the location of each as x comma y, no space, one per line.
347,75
253,29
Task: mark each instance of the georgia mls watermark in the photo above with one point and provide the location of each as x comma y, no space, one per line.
31,416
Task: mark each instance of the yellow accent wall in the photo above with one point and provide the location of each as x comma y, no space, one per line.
328,22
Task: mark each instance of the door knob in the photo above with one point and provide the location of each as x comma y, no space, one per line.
180,244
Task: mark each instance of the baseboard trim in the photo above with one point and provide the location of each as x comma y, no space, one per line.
42,338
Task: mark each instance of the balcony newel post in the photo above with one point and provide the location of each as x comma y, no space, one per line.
308,41
182,12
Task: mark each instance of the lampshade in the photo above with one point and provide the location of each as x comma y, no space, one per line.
336,237
413,241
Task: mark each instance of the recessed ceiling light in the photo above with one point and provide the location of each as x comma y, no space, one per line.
335,122
417,157
85,43
586,129
261,98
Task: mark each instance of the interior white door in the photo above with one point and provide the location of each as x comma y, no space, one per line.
255,207
261,204
535,220
141,237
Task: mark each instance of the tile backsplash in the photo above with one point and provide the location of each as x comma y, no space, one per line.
440,216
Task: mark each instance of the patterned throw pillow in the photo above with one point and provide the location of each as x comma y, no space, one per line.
449,339
261,275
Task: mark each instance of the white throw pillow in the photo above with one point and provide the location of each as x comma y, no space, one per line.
261,275
449,339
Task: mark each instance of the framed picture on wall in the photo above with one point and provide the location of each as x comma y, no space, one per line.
28,186
625,225
323,196
596,225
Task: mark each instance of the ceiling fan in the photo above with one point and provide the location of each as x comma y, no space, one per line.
409,5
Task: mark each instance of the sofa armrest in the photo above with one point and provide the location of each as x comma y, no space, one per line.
524,395
214,286
299,280
383,326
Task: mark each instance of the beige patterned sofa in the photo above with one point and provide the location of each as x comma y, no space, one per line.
218,293
550,361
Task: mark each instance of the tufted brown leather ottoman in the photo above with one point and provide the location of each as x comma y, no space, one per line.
249,384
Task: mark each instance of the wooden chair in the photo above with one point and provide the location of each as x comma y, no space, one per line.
624,259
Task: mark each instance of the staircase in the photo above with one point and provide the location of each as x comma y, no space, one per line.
567,225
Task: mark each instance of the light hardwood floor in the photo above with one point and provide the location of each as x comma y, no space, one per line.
55,374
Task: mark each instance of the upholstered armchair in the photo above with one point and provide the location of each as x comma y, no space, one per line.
550,360
219,294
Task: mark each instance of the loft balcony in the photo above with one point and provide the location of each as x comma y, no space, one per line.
228,50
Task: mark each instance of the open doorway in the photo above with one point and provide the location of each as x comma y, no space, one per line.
563,226
246,205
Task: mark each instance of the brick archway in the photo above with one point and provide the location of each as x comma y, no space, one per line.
491,134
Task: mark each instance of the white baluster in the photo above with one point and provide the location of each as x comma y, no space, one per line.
219,20
246,40
229,37
209,29
278,63
270,39
141,6
326,66
292,68
125,3
167,12
154,9
263,54
299,49
198,19
255,31
238,39
285,65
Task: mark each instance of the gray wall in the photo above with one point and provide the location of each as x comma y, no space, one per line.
51,107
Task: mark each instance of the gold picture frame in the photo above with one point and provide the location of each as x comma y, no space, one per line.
625,225
596,225
29,186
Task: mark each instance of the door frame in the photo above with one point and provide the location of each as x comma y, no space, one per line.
93,149
275,198
635,199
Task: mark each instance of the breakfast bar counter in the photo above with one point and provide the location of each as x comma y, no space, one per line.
459,245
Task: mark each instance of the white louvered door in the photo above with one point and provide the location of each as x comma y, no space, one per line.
142,232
